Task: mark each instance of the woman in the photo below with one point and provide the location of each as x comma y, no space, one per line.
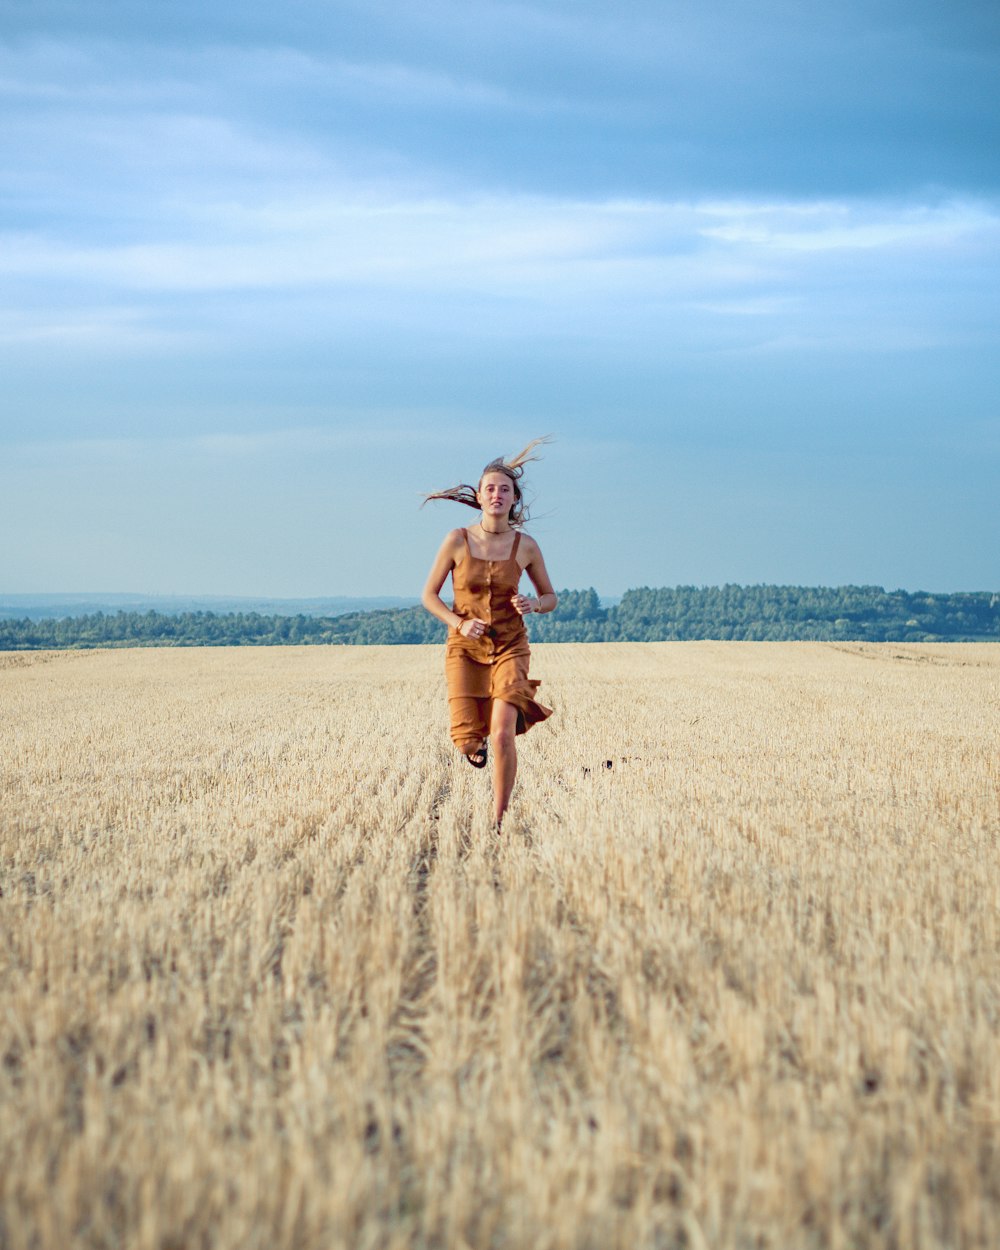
486,656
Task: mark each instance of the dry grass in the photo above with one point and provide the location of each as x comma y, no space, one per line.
266,981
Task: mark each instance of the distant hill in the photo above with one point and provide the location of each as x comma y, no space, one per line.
57,607
681,613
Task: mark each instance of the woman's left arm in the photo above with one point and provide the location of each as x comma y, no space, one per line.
546,598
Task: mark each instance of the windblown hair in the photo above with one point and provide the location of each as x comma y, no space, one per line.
514,469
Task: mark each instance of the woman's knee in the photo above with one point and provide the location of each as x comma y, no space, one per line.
503,732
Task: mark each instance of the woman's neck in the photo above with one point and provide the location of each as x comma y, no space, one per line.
494,532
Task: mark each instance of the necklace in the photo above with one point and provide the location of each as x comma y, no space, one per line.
495,533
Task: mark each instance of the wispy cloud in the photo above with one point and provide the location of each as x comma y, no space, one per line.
540,256
392,430
826,227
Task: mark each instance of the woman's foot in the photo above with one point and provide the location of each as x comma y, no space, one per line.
477,758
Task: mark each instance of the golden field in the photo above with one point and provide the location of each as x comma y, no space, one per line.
268,981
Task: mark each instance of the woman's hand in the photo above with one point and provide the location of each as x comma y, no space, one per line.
473,627
523,604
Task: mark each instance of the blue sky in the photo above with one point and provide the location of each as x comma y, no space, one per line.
268,272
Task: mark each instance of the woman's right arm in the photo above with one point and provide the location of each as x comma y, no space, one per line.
443,564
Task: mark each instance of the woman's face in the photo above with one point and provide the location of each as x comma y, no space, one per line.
496,494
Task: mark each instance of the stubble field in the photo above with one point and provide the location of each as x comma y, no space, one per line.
267,980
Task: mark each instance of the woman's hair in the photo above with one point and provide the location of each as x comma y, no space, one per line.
513,468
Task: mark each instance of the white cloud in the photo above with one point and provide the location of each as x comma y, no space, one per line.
762,306
346,431
91,328
155,198
575,259
853,226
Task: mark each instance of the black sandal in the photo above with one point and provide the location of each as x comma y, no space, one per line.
477,758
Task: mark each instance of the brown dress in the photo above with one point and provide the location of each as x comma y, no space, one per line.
495,666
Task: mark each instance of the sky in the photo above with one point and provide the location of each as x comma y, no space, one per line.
270,272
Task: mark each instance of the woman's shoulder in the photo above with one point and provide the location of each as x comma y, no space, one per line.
453,540
528,544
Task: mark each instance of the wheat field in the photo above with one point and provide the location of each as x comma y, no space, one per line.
267,979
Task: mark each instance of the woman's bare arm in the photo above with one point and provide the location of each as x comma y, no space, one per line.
444,562
546,598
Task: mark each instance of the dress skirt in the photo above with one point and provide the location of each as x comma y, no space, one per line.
474,683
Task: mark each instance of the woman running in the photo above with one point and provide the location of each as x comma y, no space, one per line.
486,656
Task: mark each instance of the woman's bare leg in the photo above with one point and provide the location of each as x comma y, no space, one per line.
503,727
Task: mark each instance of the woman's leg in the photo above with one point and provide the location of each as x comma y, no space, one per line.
503,727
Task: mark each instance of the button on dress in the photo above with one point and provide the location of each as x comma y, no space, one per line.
495,666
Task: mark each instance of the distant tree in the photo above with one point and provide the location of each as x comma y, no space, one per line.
864,613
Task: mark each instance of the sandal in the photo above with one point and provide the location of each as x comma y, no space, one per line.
477,758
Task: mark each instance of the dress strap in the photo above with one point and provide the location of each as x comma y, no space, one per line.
513,550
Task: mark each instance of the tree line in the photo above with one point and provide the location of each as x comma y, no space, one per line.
680,613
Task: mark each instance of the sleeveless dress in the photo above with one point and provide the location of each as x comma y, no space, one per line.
495,666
